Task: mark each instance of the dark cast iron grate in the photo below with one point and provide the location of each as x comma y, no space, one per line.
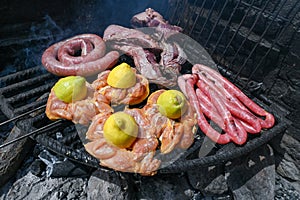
69,144
247,37
228,33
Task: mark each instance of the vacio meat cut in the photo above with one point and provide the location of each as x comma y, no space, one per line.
129,128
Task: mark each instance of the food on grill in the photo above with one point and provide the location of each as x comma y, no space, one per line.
122,76
172,104
140,158
129,96
70,88
158,61
145,154
139,140
151,18
81,111
222,102
172,133
82,55
120,129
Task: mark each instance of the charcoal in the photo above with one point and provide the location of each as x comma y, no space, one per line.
107,184
37,167
253,176
209,180
284,190
34,187
165,187
58,166
288,159
13,155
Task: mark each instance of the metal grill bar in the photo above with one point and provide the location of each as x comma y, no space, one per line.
267,12
22,115
19,86
236,32
185,3
25,96
258,42
248,34
227,24
215,25
208,18
40,131
196,20
190,15
275,41
30,106
23,91
177,5
20,75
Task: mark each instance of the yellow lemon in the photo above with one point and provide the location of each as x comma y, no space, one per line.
70,88
122,76
120,129
172,104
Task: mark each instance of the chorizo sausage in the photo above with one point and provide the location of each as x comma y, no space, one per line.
202,122
269,120
237,134
235,107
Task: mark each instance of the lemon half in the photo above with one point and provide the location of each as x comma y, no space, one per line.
172,104
120,129
122,76
70,88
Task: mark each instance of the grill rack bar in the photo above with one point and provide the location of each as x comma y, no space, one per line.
217,22
247,36
227,24
20,91
60,147
208,16
195,21
40,131
25,114
276,40
46,139
260,39
252,36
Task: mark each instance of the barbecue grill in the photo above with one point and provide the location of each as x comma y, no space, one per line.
247,39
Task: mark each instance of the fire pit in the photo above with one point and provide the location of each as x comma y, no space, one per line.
251,42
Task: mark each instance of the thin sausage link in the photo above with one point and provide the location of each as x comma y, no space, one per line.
236,134
269,120
235,107
202,122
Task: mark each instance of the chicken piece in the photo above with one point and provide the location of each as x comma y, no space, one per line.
138,159
80,112
129,96
171,133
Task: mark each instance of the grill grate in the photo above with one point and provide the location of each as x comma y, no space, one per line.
61,138
247,37
69,144
28,89
231,33
21,90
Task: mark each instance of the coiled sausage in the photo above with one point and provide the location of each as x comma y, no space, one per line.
81,55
